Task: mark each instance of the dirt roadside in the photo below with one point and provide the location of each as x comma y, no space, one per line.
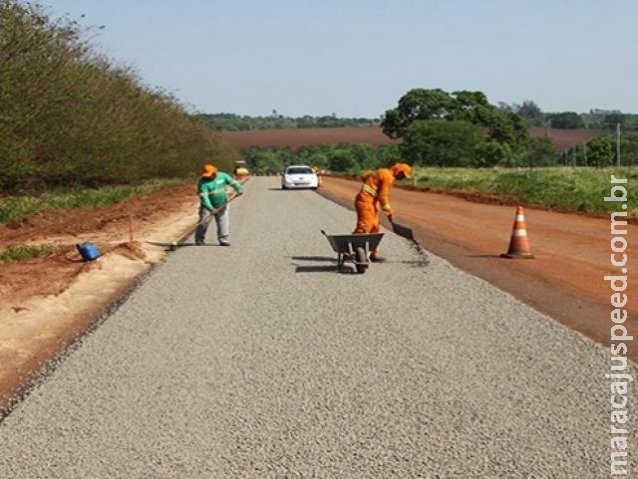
46,304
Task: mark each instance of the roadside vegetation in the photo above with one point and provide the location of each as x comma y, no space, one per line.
23,253
71,118
276,121
15,207
462,129
595,119
78,131
562,189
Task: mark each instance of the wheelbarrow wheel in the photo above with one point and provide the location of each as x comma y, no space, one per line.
361,263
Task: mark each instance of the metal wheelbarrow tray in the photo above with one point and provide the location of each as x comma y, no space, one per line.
354,247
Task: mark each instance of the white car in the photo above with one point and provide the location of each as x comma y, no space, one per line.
299,176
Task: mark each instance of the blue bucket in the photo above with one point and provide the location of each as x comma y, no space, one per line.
88,251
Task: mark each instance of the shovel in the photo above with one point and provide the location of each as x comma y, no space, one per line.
402,230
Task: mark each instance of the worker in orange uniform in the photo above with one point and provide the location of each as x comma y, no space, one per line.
375,192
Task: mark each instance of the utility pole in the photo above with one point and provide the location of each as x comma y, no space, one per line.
618,145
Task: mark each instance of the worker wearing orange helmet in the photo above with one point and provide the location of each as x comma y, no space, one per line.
213,197
375,193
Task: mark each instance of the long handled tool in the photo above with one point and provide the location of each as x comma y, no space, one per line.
402,230
204,220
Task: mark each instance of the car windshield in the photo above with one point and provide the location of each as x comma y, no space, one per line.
299,170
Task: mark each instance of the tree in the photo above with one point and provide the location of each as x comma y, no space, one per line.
601,151
611,121
502,106
629,149
471,106
441,143
467,106
567,120
532,113
490,153
417,104
319,160
341,159
387,155
539,152
267,159
507,128
364,156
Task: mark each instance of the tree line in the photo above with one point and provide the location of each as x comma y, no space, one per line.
451,129
69,117
595,119
603,151
234,122
462,128
337,158
435,128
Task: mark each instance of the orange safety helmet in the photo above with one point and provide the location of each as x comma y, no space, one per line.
209,170
402,168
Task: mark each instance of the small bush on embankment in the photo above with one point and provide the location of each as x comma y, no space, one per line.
564,189
23,253
69,118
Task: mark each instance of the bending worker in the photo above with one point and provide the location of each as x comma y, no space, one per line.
375,192
213,199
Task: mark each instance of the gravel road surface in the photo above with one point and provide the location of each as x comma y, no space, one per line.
262,361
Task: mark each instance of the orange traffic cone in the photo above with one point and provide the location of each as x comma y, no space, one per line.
519,246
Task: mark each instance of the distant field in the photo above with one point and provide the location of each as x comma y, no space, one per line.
565,139
296,138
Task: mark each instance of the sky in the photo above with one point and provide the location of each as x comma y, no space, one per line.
357,58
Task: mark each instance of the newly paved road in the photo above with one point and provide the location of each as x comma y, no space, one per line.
261,360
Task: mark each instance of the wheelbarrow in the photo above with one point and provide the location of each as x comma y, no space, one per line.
355,247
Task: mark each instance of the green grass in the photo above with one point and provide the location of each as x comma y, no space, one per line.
13,207
565,189
23,253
